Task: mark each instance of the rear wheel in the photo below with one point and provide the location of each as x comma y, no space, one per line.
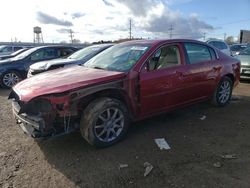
104,122
223,92
9,79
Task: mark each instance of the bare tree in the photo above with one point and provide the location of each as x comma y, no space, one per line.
230,40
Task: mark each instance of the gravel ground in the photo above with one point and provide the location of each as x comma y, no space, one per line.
213,152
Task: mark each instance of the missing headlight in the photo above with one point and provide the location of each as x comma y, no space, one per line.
39,106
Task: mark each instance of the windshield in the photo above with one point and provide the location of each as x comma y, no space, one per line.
18,51
25,54
120,57
245,52
91,50
1,47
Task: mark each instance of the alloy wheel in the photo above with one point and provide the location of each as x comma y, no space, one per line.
109,124
224,91
10,79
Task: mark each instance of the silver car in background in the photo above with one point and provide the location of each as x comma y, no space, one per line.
221,45
244,57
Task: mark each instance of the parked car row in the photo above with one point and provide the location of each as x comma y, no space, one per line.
15,69
126,82
77,58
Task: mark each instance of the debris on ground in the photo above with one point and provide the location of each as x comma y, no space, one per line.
148,168
203,117
235,98
123,166
162,143
217,165
229,156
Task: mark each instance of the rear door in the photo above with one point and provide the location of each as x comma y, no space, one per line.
201,71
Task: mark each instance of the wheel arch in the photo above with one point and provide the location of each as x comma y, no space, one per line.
118,94
231,76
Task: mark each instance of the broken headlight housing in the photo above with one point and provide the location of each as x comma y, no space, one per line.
37,106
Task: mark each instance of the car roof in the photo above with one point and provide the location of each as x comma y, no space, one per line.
53,46
161,41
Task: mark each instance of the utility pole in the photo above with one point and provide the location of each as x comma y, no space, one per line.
204,36
130,29
171,30
71,35
225,35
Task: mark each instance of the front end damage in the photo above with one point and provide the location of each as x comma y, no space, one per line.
45,116
56,114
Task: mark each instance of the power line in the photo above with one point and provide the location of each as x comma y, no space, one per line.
171,30
233,22
71,35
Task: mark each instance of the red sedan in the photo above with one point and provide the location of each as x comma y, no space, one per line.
129,81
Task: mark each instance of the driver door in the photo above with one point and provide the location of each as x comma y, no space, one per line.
161,81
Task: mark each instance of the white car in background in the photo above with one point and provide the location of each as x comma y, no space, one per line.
221,45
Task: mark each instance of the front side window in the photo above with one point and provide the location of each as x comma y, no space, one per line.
120,57
197,53
44,54
167,56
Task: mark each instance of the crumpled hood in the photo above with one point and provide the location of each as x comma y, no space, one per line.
44,65
62,80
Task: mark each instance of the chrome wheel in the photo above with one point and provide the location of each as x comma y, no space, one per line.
10,79
109,124
224,91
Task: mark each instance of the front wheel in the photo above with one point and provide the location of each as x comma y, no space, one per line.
223,92
9,79
104,122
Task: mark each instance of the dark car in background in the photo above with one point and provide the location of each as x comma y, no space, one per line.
127,82
237,48
15,69
8,49
14,54
79,57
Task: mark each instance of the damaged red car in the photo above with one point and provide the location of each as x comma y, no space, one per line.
128,82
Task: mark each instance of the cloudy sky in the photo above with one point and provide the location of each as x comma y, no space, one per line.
109,19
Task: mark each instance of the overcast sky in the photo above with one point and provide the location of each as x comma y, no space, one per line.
109,19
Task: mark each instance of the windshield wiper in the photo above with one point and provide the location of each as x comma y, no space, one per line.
98,67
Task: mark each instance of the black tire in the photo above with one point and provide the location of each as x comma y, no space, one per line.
104,118
223,92
13,75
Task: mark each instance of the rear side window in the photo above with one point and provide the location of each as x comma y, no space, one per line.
64,52
218,44
198,53
17,48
